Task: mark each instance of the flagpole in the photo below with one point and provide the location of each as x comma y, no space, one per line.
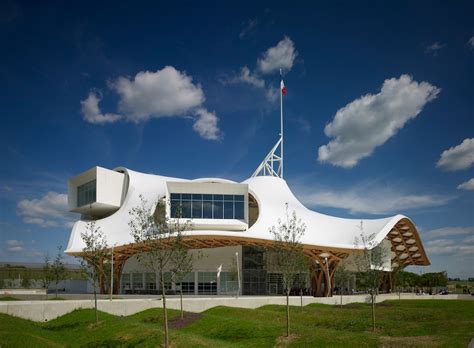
281,123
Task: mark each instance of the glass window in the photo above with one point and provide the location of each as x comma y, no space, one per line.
206,206
175,208
239,210
150,281
229,283
197,209
238,198
137,279
187,284
228,210
207,283
126,281
186,209
207,210
167,280
218,212
218,197
86,193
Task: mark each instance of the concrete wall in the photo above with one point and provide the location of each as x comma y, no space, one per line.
47,310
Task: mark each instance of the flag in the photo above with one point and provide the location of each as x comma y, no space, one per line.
283,88
219,269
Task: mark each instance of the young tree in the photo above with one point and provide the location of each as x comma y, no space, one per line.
400,280
341,277
58,270
182,262
370,263
93,255
157,239
46,275
288,254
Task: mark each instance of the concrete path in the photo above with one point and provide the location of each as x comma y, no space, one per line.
47,310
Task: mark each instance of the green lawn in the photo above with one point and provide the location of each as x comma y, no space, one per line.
400,324
8,298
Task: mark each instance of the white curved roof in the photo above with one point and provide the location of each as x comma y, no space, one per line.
271,193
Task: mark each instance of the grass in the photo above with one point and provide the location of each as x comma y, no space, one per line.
9,298
399,324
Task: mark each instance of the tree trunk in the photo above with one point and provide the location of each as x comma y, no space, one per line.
340,291
373,312
95,305
287,313
181,300
56,289
165,314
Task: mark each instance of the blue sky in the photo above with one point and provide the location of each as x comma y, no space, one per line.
378,114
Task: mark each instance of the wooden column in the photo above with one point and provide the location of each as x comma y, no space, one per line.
119,263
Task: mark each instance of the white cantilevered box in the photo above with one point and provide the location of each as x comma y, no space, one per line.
97,192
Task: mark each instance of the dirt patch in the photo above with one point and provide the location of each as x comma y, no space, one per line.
284,341
188,319
414,341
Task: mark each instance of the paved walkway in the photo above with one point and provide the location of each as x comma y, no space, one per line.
48,310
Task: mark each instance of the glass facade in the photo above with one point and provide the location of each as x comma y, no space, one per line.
207,283
204,206
229,283
126,285
150,281
187,284
137,280
86,193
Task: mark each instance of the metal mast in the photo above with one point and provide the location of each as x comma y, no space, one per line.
272,165
281,121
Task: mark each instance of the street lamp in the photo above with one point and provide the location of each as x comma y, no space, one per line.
238,272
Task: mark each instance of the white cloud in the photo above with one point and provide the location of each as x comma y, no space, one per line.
206,125
448,231
363,199
469,240
246,76
272,94
51,210
248,27
449,247
468,185
163,93
369,121
458,157
434,48
281,56
91,111
470,42
14,245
